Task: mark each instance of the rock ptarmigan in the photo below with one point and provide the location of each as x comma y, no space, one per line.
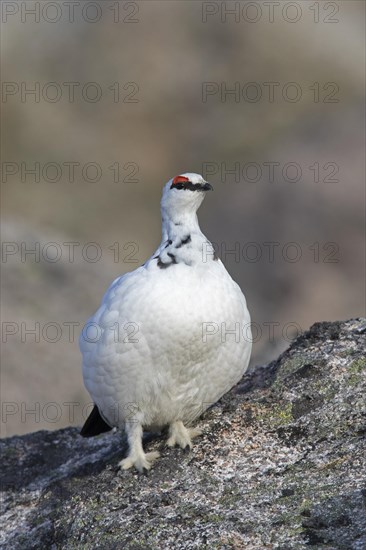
170,338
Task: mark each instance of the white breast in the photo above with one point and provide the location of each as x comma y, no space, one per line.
162,343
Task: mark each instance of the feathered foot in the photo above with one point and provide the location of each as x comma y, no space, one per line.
182,436
137,457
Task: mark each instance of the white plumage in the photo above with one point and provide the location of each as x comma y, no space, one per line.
156,353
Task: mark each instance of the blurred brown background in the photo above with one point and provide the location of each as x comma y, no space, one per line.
158,55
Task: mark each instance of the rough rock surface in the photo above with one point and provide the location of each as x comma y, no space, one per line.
281,465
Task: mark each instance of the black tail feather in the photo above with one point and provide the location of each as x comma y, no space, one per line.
94,424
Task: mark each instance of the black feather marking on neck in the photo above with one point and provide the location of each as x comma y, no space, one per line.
174,261
184,241
163,265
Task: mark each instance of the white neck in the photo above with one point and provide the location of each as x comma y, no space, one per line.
179,223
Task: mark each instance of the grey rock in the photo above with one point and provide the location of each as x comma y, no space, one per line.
281,465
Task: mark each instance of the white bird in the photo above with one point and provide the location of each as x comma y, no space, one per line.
170,338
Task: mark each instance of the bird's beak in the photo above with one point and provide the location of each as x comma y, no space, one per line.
207,187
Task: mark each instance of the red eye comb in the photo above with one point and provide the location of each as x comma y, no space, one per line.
180,179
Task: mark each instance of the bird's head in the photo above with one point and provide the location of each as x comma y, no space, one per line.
184,193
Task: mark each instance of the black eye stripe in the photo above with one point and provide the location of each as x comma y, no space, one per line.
177,186
189,185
